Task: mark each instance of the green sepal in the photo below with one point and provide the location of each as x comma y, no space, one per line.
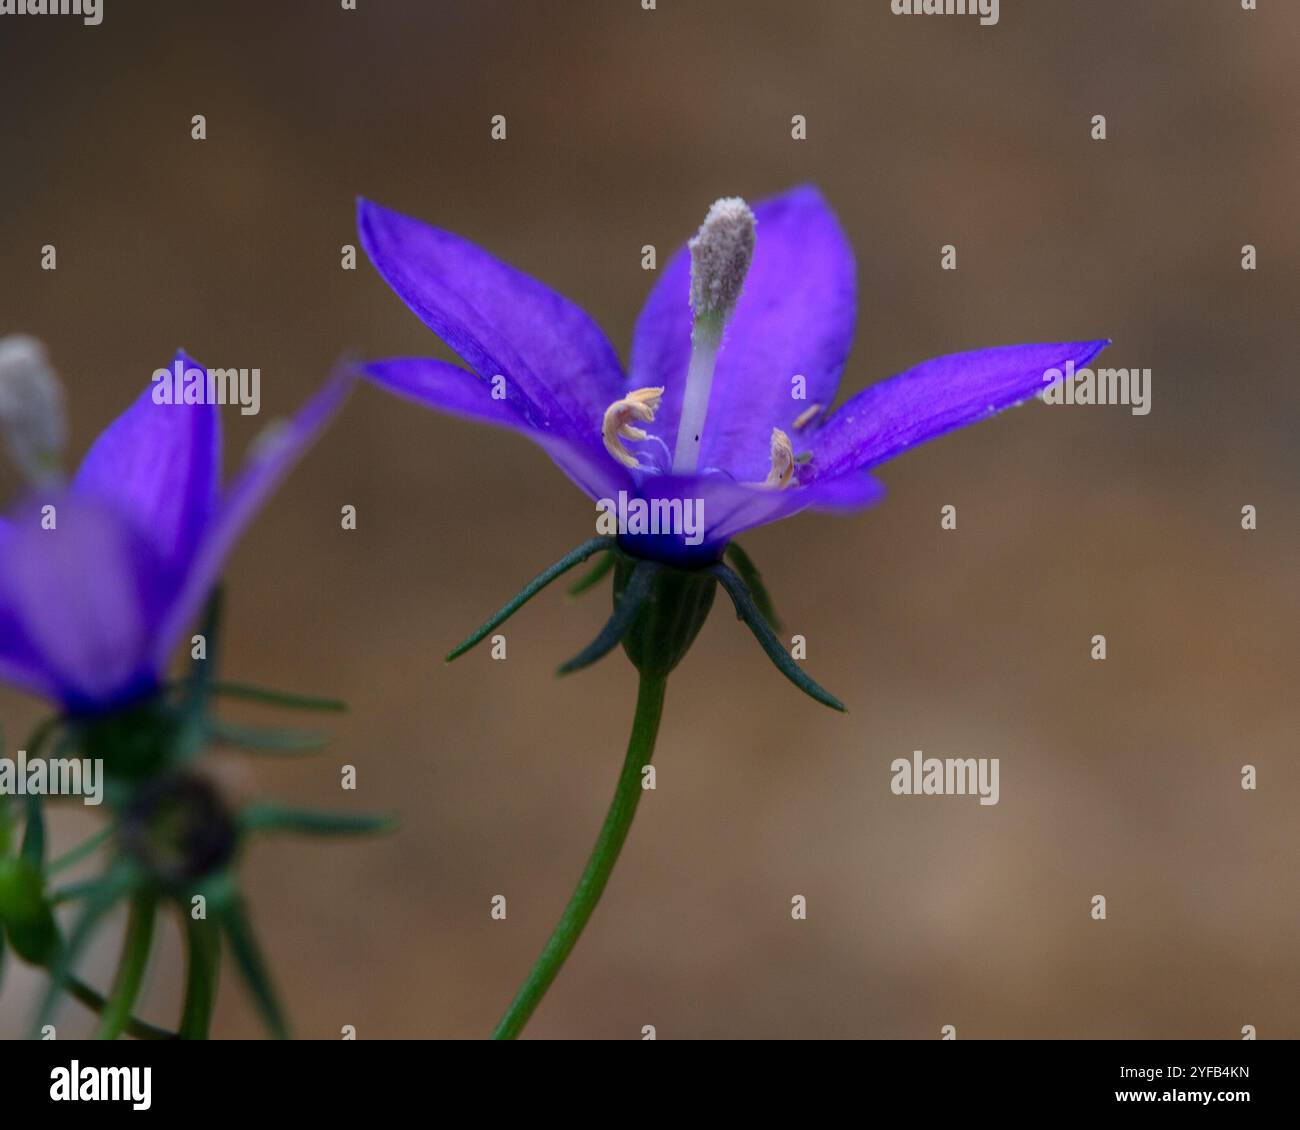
266,740
748,611
6,817
629,598
530,590
33,849
25,911
33,846
62,964
233,916
137,741
669,618
83,850
190,733
74,892
288,700
309,822
753,579
593,576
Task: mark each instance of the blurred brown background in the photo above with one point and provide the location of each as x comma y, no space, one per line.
1118,778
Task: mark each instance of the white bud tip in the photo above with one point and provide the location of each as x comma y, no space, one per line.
31,406
720,255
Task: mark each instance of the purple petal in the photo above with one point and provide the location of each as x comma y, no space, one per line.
730,508
85,598
795,318
742,508
275,453
561,370
448,388
20,662
937,396
458,392
160,463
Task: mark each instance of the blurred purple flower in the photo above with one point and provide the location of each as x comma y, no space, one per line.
91,609
761,453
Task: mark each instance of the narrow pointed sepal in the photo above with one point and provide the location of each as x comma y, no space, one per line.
530,590
753,579
33,846
286,699
748,611
266,741
202,975
247,955
33,849
116,885
593,576
629,604
309,822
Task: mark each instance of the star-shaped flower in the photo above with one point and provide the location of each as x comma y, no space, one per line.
735,363
101,576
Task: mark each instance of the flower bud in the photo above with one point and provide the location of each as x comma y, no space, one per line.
31,407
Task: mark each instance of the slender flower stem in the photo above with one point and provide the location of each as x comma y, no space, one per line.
83,850
140,1029
203,956
640,748
130,970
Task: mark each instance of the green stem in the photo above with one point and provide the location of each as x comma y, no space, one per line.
640,748
140,1029
530,590
203,954
82,851
130,970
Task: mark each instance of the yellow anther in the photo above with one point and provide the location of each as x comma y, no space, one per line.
639,405
782,472
806,417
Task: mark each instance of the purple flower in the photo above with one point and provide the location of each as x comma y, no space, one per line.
102,575
732,373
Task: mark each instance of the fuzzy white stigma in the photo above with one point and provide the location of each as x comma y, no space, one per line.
31,407
720,255
639,405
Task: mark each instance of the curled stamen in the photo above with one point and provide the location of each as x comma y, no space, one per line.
782,472
806,417
641,405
